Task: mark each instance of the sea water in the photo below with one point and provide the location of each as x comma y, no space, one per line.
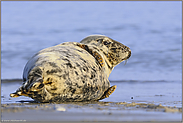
152,30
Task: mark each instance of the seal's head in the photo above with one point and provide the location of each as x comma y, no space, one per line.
114,52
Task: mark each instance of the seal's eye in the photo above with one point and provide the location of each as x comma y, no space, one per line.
106,42
99,40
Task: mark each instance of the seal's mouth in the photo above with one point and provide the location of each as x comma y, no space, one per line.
129,54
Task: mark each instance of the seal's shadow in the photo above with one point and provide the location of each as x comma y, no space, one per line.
28,101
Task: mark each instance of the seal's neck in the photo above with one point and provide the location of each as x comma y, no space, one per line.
102,59
99,56
109,65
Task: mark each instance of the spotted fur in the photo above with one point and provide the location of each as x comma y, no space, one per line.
73,71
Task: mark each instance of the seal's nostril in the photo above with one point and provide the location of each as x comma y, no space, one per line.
129,53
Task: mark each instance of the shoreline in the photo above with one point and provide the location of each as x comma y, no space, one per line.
152,101
90,111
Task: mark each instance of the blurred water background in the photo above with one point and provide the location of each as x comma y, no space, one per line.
153,31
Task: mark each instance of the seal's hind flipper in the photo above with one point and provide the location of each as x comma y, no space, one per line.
14,95
17,94
28,88
108,92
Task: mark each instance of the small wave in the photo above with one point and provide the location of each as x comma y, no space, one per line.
11,80
141,81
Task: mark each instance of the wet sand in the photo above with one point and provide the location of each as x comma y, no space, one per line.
128,107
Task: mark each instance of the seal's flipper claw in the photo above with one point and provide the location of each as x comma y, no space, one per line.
14,95
18,93
108,92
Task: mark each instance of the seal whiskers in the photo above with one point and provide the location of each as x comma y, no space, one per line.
126,61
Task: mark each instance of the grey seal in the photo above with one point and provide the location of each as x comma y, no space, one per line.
72,71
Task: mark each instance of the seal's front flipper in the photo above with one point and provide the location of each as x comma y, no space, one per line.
108,92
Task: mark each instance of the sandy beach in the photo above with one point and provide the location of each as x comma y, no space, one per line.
136,109
90,111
